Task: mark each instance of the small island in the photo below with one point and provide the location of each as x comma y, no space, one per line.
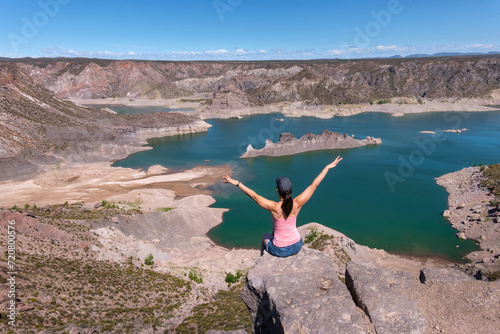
289,145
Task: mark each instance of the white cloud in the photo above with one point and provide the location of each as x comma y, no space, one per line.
335,52
242,52
481,46
345,51
389,48
217,52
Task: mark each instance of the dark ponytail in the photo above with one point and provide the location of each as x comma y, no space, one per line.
287,204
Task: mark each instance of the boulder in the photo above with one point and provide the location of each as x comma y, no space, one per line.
381,294
300,293
443,275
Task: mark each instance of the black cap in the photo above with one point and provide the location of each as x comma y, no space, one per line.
284,184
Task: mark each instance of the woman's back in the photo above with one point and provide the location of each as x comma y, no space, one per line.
285,229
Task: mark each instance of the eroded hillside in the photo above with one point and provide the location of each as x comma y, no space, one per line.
319,81
38,128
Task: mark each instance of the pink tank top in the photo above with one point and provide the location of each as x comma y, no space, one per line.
285,230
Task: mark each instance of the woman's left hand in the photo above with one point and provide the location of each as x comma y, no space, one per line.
227,179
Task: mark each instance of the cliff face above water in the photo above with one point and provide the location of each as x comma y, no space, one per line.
349,288
257,83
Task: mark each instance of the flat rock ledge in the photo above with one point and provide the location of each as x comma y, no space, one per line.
380,293
443,275
289,145
300,294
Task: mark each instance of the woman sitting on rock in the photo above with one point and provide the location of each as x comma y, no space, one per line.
285,240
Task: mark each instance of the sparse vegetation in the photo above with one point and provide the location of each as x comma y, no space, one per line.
101,295
384,101
200,101
164,209
195,276
321,242
492,179
76,211
108,205
493,276
313,234
226,312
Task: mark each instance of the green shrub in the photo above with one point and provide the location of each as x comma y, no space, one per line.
383,101
149,260
108,205
164,209
195,276
230,278
311,236
26,206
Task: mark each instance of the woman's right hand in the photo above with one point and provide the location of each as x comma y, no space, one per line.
334,163
229,180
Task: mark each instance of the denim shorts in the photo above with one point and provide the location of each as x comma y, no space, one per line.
284,251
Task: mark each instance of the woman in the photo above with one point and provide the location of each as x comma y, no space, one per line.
285,240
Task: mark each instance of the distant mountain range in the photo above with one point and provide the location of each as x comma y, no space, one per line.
445,54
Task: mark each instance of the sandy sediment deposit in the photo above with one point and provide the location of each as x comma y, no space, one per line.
397,108
97,181
450,130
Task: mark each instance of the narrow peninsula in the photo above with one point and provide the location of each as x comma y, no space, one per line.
289,145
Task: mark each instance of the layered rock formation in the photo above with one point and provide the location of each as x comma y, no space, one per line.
326,82
300,294
37,128
289,145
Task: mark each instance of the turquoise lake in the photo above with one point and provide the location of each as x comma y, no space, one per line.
382,196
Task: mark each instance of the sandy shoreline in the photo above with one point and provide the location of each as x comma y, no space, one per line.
93,182
399,107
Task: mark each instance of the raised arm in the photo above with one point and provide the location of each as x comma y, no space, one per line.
261,201
306,194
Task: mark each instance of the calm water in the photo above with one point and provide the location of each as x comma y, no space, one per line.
381,196
125,110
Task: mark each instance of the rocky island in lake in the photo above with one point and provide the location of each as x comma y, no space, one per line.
289,145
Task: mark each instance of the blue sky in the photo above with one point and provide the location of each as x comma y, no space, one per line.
246,29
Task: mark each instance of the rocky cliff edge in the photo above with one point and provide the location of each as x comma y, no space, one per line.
349,288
